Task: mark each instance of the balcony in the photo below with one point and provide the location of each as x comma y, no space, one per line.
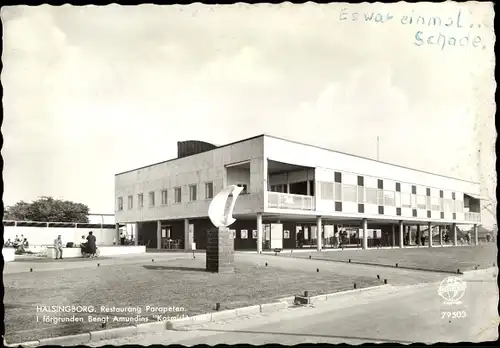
469,216
279,200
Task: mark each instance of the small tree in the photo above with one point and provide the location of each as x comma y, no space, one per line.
47,209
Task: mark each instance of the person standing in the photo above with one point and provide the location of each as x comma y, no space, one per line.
122,238
58,246
91,244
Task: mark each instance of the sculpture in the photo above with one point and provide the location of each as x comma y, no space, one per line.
220,244
216,210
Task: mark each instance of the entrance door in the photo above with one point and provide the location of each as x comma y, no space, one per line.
276,236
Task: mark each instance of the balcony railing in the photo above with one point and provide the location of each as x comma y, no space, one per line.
472,216
289,201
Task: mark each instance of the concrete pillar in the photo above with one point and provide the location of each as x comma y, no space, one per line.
441,235
259,232
476,236
393,235
117,233
419,236
454,232
364,226
429,227
401,234
187,236
158,234
319,233
308,187
136,234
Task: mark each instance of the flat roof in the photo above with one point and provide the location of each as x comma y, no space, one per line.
304,144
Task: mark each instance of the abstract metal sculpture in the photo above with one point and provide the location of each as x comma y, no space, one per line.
220,243
216,210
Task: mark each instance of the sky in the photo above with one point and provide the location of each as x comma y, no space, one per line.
93,91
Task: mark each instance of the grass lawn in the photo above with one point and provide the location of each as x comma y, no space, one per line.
447,259
179,283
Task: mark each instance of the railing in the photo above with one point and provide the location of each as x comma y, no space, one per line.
469,216
289,201
57,224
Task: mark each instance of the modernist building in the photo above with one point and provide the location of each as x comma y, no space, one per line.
291,190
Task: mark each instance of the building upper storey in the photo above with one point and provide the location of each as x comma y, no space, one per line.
183,187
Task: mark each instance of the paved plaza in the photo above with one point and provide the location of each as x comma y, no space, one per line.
447,259
171,280
178,280
402,314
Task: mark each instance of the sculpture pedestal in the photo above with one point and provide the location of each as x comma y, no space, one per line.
220,251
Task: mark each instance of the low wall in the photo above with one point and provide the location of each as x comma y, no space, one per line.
8,254
104,251
46,235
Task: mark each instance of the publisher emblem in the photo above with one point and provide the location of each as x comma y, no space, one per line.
452,289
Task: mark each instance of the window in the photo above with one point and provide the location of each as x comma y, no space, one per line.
338,192
361,181
435,203
371,195
209,190
338,177
380,197
120,203
398,200
389,198
405,200
350,194
398,187
244,191
326,191
130,202
177,195
413,201
192,193
164,197
151,199
361,194
380,184
140,200
420,202
428,202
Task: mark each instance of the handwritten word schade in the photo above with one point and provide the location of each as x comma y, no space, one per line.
429,33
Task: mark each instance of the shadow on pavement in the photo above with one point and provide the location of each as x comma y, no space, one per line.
371,339
174,268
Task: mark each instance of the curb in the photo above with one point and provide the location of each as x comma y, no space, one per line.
326,297
94,336
479,271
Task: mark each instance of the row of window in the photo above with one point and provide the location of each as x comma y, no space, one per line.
193,196
359,194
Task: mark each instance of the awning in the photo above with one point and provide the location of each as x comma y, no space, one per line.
477,197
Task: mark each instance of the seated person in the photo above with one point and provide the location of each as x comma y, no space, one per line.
83,245
16,243
8,243
25,243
